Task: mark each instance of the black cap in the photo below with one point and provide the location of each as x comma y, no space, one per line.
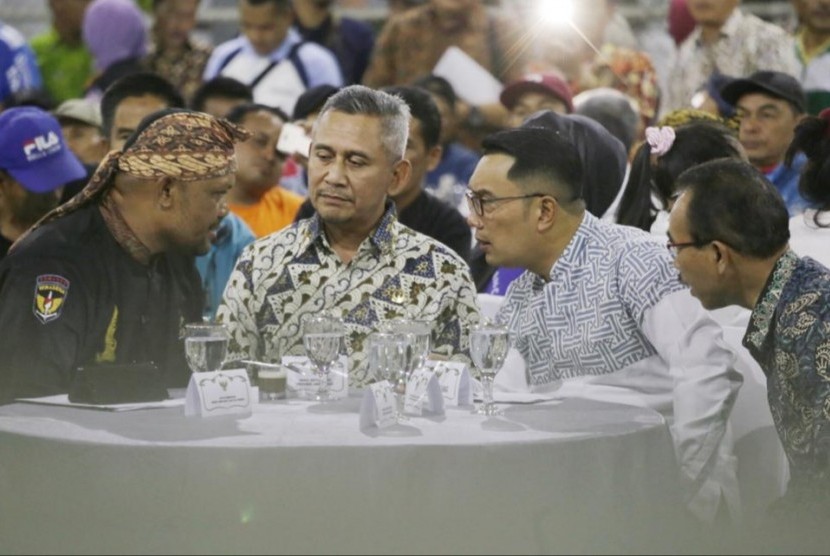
312,100
774,83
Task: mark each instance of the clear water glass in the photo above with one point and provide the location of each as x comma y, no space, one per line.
489,343
323,341
421,332
205,346
388,355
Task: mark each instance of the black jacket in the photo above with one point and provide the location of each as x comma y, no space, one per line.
70,296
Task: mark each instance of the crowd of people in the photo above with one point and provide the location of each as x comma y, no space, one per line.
315,163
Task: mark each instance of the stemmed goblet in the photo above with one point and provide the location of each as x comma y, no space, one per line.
489,343
323,340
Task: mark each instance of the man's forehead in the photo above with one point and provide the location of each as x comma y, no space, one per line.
341,131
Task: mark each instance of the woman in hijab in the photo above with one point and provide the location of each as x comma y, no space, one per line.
115,33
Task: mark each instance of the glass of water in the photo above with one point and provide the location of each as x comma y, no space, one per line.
323,337
205,346
387,359
489,343
421,333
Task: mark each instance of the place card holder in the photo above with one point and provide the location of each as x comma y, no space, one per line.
455,380
304,376
423,393
379,406
226,392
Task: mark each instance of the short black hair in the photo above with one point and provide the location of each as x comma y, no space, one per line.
539,153
136,85
423,109
731,201
238,113
220,87
279,4
438,85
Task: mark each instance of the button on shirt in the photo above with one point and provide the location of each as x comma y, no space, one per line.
396,272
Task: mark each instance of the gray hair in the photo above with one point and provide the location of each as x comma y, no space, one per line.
392,111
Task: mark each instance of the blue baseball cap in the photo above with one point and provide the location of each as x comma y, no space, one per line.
34,152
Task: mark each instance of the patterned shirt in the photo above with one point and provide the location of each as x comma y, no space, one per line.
789,336
746,44
182,69
586,319
396,272
614,323
410,44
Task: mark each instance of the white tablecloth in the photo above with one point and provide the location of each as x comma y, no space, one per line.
297,477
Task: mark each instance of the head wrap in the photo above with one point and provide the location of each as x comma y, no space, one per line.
182,145
114,30
603,156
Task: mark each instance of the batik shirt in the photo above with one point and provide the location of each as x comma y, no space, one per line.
396,272
789,336
746,44
614,323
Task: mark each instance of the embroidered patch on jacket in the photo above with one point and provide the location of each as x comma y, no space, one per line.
50,295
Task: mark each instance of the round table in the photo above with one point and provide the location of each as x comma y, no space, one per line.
299,477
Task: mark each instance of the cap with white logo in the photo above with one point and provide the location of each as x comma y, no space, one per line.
34,152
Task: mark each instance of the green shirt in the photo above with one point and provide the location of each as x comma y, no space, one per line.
66,69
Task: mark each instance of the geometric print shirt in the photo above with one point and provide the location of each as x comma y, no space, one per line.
789,336
586,319
396,272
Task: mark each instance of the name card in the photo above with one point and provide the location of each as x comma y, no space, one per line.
423,393
455,381
379,406
302,377
218,393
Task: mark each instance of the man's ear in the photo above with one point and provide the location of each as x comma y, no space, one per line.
434,157
546,211
723,255
400,174
169,192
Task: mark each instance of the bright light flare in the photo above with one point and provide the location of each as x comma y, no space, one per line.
556,12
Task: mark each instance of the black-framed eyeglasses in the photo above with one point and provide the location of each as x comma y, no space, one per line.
674,248
476,202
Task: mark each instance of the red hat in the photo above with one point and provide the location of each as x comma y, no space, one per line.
546,83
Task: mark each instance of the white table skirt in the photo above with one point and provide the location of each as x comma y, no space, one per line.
296,477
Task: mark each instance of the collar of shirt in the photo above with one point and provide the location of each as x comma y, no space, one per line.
807,56
122,233
382,238
292,37
762,314
574,255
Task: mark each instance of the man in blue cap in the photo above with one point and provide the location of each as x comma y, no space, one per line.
35,163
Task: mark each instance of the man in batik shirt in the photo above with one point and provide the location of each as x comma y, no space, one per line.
599,312
352,257
742,257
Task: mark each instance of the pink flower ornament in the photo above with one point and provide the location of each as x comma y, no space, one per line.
660,139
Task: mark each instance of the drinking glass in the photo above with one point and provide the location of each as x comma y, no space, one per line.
387,360
205,346
323,339
489,343
421,332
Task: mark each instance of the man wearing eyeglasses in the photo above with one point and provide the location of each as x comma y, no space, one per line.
743,258
599,311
